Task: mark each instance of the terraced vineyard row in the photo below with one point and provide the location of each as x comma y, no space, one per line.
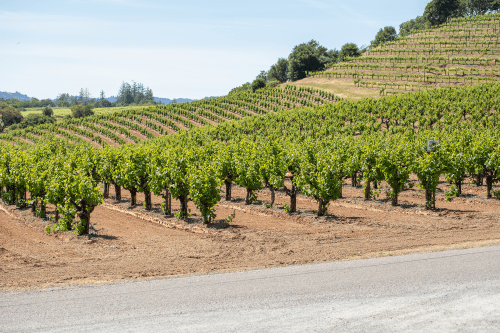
133,126
460,52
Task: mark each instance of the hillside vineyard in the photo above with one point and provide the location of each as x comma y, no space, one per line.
133,126
308,150
463,51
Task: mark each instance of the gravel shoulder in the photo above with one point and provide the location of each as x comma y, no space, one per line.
451,291
132,244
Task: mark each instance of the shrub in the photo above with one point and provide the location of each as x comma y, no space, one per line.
35,119
79,111
48,111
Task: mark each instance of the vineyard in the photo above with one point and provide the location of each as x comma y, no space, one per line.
134,125
388,144
463,51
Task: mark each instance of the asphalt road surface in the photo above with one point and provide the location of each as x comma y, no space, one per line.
452,291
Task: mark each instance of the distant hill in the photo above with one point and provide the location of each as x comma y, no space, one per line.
16,95
112,99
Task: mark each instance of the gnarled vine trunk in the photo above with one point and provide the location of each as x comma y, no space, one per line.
184,206
354,179
34,203
489,186
367,191
147,199
273,195
479,180
322,207
167,209
84,216
228,184
118,193
133,196
292,193
458,184
56,215
394,199
430,202
248,197
43,209
106,190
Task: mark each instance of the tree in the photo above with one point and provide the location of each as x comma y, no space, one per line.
36,119
125,96
84,97
418,23
135,93
349,50
243,88
48,111
278,71
307,57
262,75
387,34
438,11
258,84
9,115
478,7
79,111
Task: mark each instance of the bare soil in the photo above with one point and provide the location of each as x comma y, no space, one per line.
130,243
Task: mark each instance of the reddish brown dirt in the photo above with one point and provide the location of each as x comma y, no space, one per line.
134,244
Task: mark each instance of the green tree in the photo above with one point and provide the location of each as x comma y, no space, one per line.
349,50
79,111
47,111
9,115
418,23
307,57
387,34
278,71
478,7
36,119
243,88
262,75
438,11
258,84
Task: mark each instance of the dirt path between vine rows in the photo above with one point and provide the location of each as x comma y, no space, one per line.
128,244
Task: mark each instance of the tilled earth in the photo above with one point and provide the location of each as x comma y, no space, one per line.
130,243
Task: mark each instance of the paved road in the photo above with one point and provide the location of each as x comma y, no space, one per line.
453,291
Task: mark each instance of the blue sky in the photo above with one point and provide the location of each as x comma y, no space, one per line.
188,49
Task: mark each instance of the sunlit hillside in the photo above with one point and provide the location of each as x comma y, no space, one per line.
464,51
